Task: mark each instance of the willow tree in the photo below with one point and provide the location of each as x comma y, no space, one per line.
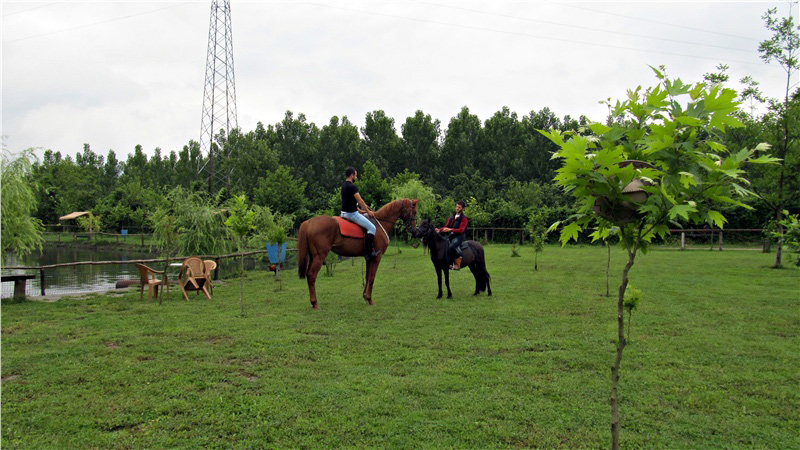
21,232
659,160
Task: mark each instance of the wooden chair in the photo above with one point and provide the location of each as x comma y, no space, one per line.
210,267
150,278
193,277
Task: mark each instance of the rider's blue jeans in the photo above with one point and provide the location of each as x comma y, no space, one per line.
360,220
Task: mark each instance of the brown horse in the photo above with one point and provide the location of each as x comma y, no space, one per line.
319,235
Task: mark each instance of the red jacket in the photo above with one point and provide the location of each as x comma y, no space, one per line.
463,226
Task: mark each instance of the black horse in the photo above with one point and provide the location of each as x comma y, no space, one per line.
473,258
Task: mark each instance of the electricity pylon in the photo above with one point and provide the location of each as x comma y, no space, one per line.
219,95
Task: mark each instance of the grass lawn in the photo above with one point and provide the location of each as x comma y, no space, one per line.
713,359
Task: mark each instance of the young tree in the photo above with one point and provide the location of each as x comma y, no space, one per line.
790,236
683,172
784,48
537,229
90,223
240,222
22,233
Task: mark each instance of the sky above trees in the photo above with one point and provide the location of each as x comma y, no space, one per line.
118,74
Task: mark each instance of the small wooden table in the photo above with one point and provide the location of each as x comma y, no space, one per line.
19,283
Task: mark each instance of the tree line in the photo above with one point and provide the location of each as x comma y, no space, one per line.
501,166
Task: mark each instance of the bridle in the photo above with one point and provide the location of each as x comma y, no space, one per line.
407,214
429,235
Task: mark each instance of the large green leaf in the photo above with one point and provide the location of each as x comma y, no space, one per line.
599,128
717,217
570,232
682,210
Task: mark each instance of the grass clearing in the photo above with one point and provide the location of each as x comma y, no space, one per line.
713,360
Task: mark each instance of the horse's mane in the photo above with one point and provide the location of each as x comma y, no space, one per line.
385,208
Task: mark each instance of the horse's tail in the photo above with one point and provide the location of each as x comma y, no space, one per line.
481,274
303,251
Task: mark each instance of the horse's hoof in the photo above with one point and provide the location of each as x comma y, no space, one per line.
315,306
368,301
449,295
439,296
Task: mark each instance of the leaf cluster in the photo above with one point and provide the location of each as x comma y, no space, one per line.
673,127
632,298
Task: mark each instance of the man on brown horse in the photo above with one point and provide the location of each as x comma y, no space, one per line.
457,226
353,206
320,235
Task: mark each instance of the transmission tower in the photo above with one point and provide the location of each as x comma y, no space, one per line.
219,95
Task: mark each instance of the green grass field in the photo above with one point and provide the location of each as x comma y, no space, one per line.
713,359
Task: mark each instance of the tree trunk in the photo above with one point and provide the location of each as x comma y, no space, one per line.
629,326
785,150
779,245
608,267
241,280
620,348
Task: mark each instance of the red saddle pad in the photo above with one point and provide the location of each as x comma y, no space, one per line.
348,228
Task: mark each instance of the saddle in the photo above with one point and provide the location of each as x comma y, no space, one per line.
464,245
350,229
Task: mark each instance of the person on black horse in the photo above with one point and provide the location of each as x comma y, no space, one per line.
353,207
457,226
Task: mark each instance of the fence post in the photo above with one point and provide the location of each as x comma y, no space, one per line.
720,240
521,238
216,270
683,240
486,235
142,238
41,285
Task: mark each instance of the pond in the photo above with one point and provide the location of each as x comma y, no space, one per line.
103,277
64,280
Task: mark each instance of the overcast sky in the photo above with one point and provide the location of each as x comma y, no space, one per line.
118,74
